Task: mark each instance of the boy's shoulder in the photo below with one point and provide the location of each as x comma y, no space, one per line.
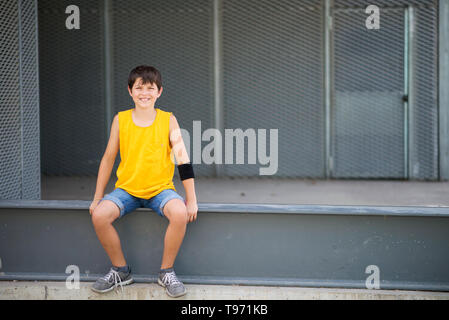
167,115
125,111
165,112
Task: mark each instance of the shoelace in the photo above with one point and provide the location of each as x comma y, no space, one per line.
113,275
170,279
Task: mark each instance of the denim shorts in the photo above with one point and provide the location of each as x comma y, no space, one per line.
128,203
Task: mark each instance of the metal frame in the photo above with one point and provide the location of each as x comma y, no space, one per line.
108,65
443,83
22,142
328,40
218,75
409,36
409,79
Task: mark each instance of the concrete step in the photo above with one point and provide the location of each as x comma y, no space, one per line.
404,248
58,290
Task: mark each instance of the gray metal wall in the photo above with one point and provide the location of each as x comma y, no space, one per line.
271,73
19,101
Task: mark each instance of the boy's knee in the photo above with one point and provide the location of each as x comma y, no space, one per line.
177,214
103,215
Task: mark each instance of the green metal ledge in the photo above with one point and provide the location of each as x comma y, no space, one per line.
411,211
253,244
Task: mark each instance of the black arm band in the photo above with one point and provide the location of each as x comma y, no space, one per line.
186,171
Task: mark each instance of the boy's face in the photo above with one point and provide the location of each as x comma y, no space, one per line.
144,95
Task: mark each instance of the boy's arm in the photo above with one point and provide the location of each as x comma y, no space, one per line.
189,187
181,156
107,162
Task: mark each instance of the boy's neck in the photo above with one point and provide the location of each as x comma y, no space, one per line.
144,114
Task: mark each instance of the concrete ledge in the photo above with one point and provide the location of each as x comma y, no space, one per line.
245,208
232,244
33,290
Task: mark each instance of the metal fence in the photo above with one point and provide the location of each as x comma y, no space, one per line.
385,91
229,64
71,61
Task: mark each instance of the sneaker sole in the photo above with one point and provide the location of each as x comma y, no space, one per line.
124,283
166,290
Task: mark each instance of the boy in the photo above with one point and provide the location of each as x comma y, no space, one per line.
145,136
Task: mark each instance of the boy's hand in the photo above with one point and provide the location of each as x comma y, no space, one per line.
192,210
93,205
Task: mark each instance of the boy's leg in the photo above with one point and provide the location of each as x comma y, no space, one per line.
176,212
102,217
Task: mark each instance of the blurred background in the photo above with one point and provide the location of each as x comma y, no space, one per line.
357,110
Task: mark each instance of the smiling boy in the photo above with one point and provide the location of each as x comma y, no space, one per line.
145,137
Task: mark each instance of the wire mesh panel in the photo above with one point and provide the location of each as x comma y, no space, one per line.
175,37
368,113
29,77
424,155
19,124
11,140
273,76
72,88
370,130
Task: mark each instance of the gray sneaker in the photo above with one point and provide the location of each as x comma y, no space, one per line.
172,285
111,280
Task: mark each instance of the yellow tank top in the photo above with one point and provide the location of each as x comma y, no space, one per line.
145,168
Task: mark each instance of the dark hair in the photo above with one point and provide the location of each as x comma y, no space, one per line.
147,73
